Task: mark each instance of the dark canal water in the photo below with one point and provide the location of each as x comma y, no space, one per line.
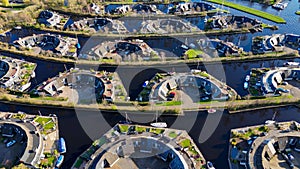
214,149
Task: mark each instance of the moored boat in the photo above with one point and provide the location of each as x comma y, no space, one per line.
59,161
62,145
159,124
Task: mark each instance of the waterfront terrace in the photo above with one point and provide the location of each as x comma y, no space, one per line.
272,145
16,74
135,146
26,139
292,41
264,44
79,86
276,42
42,43
165,26
121,50
135,9
274,82
189,8
219,48
93,25
233,22
49,18
185,87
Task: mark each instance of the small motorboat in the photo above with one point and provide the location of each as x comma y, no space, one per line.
269,122
211,110
18,27
62,145
159,124
59,161
280,6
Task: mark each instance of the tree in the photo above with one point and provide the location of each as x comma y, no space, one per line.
5,2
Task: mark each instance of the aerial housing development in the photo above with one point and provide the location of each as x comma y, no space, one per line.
28,140
140,84
16,74
138,146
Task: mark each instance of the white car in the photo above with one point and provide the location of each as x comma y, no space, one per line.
11,143
246,85
210,165
247,78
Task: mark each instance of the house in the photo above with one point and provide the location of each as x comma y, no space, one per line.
49,18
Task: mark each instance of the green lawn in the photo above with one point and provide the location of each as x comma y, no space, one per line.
29,66
42,120
140,129
46,122
99,142
78,162
173,134
48,161
170,103
87,154
204,74
185,143
252,11
49,125
123,128
18,116
193,53
15,5
156,131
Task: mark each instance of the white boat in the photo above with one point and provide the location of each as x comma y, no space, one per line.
184,47
291,63
280,6
268,122
211,110
18,27
158,124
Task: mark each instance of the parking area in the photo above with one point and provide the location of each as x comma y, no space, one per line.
294,87
9,155
279,162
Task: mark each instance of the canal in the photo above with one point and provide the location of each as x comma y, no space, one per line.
214,149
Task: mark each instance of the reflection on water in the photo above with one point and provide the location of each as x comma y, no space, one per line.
214,149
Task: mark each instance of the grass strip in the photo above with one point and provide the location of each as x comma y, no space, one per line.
252,11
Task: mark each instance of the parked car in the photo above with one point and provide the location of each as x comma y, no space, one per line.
297,147
293,141
11,143
291,157
243,162
246,85
210,165
250,141
247,78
